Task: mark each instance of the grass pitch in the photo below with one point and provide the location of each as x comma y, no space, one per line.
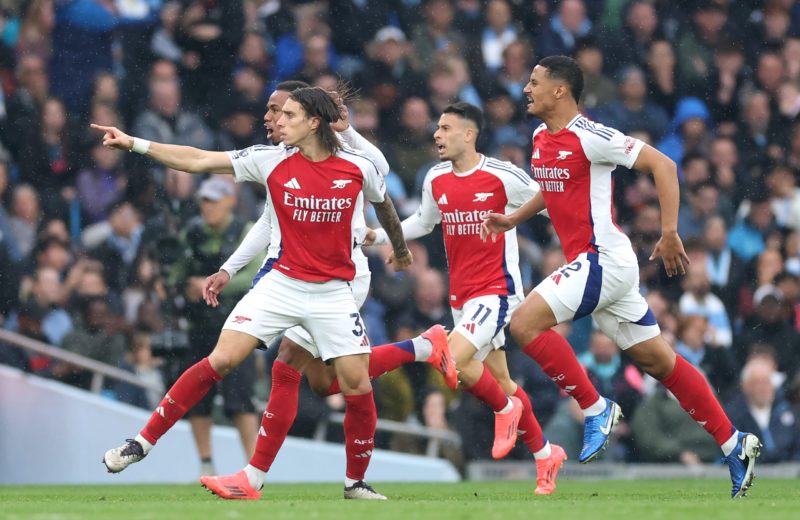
601,500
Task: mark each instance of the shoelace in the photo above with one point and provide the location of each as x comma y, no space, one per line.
132,448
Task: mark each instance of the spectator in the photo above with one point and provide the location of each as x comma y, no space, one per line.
120,248
38,19
498,34
350,38
703,203
25,105
699,301
47,159
8,243
747,237
569,24
388,76
210,33
760,409
784,196
516,69
436,35
413,147
316,58
696,345
598,89
139,360
769,325
166,121
26,214
163,43
688,131
632,111
631,46
48,293
97,337
663,79
101,185
727,80
726,271
696,46
759,133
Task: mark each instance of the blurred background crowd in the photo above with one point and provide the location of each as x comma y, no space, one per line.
104,253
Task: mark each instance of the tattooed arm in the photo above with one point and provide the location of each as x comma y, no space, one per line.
387,216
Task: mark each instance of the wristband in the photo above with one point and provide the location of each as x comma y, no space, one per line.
140,146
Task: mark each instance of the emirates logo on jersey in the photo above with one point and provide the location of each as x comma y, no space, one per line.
317,209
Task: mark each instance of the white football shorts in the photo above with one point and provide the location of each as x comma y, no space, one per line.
328,311
594,284
360,288
482,321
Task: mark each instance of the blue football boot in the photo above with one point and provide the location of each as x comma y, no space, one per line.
741,463
596,430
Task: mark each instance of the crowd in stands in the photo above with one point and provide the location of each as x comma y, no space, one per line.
92,239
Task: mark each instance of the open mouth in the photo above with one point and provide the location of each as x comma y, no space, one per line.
440,148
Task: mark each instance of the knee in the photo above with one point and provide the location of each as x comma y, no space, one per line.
355,386
292,356
221,362
524,330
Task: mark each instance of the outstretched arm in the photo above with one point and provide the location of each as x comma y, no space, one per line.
388,218
495,224
183,158
665,174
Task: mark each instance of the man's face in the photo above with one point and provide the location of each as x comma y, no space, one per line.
294,125
451,136
274,111
540,91
216,212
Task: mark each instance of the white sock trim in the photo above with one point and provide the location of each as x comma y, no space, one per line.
348,482
729,445
423,348
146,446
596,409
255,476
508,408
544,452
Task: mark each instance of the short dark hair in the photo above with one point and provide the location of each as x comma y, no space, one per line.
466,111
291,85
318,103
566,69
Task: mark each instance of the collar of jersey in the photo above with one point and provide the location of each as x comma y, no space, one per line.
471,170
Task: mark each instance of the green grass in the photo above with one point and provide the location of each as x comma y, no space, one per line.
599,500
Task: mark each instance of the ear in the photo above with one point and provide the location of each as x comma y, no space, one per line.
315,121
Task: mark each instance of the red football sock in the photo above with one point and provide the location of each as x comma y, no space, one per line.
382,359
488,390
185,393
691,389
279,415
556,357
360,418
529,428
